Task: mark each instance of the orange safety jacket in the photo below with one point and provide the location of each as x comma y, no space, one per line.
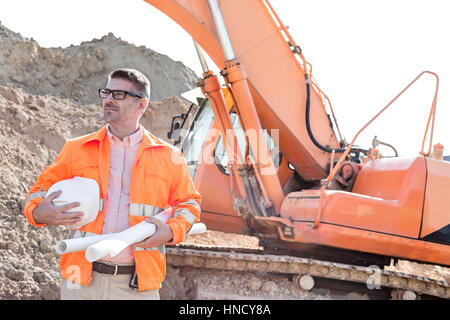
159,178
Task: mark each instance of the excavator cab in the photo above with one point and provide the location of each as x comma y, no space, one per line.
207,160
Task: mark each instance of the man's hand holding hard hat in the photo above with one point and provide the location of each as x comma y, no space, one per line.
48,213
58,207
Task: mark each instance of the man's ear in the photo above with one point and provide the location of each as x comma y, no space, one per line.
143,103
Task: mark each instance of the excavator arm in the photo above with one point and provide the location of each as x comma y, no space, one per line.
275,76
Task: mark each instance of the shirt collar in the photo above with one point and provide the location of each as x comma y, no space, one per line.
131,140
148,140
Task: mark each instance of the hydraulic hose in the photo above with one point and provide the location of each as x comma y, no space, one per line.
308,124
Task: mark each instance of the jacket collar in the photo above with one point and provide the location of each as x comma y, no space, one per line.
149,140
98,136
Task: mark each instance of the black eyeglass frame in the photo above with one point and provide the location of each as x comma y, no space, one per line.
125,92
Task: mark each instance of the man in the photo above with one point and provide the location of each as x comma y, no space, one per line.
139,176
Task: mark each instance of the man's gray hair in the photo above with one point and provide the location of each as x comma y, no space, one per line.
140,81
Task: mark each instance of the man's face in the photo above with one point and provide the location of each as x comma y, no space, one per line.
122,113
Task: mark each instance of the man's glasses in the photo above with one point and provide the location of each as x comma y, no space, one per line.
116,94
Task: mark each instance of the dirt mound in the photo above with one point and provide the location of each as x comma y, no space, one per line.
424,270
213,238
6,33
77,72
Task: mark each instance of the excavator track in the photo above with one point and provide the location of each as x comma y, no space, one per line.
235,259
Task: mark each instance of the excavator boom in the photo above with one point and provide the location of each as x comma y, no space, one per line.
275,76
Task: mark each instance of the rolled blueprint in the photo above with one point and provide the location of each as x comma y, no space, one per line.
114,245
120,239
78,244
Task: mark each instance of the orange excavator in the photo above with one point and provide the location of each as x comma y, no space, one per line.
264,153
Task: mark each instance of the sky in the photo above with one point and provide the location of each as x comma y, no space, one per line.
363,53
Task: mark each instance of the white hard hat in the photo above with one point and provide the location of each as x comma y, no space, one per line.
82,190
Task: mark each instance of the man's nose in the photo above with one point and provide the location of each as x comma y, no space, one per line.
108,99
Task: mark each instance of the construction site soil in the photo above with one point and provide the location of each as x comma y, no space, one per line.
49,95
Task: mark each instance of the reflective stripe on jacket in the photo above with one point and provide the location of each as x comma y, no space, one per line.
159,178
